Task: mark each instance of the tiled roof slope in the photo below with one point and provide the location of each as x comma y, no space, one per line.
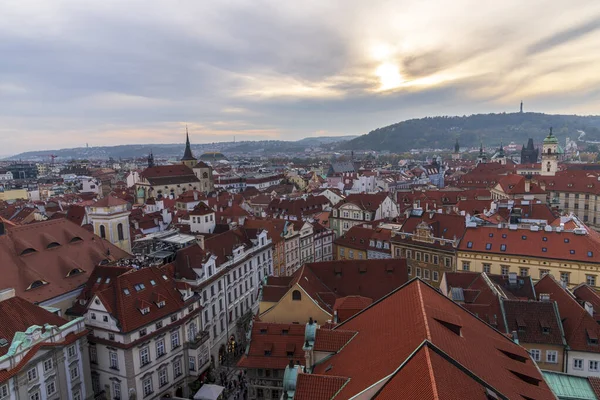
521,242
366,201
390,330
578,325
430,374
316,387
18,314
279,340
535,316
121,297
48,251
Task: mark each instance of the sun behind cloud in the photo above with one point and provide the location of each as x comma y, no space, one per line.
389,76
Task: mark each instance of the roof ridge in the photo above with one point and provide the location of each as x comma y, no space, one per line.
424,313
431,374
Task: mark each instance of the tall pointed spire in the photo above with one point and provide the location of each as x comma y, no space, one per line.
187,154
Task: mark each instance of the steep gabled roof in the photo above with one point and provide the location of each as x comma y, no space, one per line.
390,330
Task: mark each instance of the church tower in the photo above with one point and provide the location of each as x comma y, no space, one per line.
500,156
482,157
550,152
150,160
110,219
188,158
456,154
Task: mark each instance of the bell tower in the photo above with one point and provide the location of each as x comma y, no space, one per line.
550,151
188,158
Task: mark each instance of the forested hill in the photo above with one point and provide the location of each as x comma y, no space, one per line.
441,132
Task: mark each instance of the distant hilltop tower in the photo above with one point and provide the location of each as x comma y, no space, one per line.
521,110
456,154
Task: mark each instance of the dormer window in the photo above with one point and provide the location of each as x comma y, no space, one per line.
36,284
145,310
53,245
74,271
28,251
160,304
592,338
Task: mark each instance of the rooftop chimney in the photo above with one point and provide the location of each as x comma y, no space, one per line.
200,240
195,195
6,294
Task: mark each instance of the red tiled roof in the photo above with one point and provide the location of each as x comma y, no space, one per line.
18,315
126,307
201,209
109,201
535,315
366,201
47,252
595,383
283,342
76,214
575,319
522,242
390,330
332,340
350,305
317,387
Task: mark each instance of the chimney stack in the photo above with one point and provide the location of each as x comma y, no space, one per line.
200,241
6,294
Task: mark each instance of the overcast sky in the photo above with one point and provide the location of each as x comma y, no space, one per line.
115,72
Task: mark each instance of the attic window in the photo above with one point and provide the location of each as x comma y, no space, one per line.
28,251
263,331
592,337
75,271
545,239
139,286
3,342
488,246
526,378
362,269
491,235
36,284
502,247
566,240
145,310
160,304
572,251
99,279
53,245
452,327
76,239
544,249
513,356
152,282
590,254
126,291
469,245
504,236
524,237
165,277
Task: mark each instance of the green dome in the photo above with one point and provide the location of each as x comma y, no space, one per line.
550,139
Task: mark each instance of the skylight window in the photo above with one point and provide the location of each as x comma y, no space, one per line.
164,277
488,246
590,254
99,279
572,251
544,249
566,240
152,282
126,291
504,236
524,237
491,235
469,245
502,247
545,239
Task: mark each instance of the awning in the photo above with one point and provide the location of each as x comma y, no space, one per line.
209,392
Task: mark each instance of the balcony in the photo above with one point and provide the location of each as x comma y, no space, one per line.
200,339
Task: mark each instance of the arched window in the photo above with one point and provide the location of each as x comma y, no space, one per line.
548,167
102,232
296,295
120,232
549,151
205,175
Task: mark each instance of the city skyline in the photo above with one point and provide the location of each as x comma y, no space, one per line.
118,73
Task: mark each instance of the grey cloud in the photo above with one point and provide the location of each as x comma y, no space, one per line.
565,36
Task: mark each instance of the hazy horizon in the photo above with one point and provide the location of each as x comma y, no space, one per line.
136,72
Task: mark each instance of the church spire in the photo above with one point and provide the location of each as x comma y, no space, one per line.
187,154
456,146
150,160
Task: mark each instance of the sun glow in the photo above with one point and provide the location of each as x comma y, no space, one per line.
389,76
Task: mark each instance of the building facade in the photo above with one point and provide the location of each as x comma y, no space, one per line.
110,218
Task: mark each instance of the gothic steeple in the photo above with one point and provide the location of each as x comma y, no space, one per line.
150,160
187,154
456,146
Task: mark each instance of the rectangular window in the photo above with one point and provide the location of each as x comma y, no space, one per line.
426,274
77,395
418,256
34,396
447,262
74,372
504,269
578,364
174,339
192,363
177,368
163,378
3,391
487,268
147,385
418,272
114,360
590,280
116,390
536,354
145,356
408,254
544,272
50,388
551,356
32,374
48,365
524,271
409,268
466,266
593,366
71,351
160,348
436,276
564,276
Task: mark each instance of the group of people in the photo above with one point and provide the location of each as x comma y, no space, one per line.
236,387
